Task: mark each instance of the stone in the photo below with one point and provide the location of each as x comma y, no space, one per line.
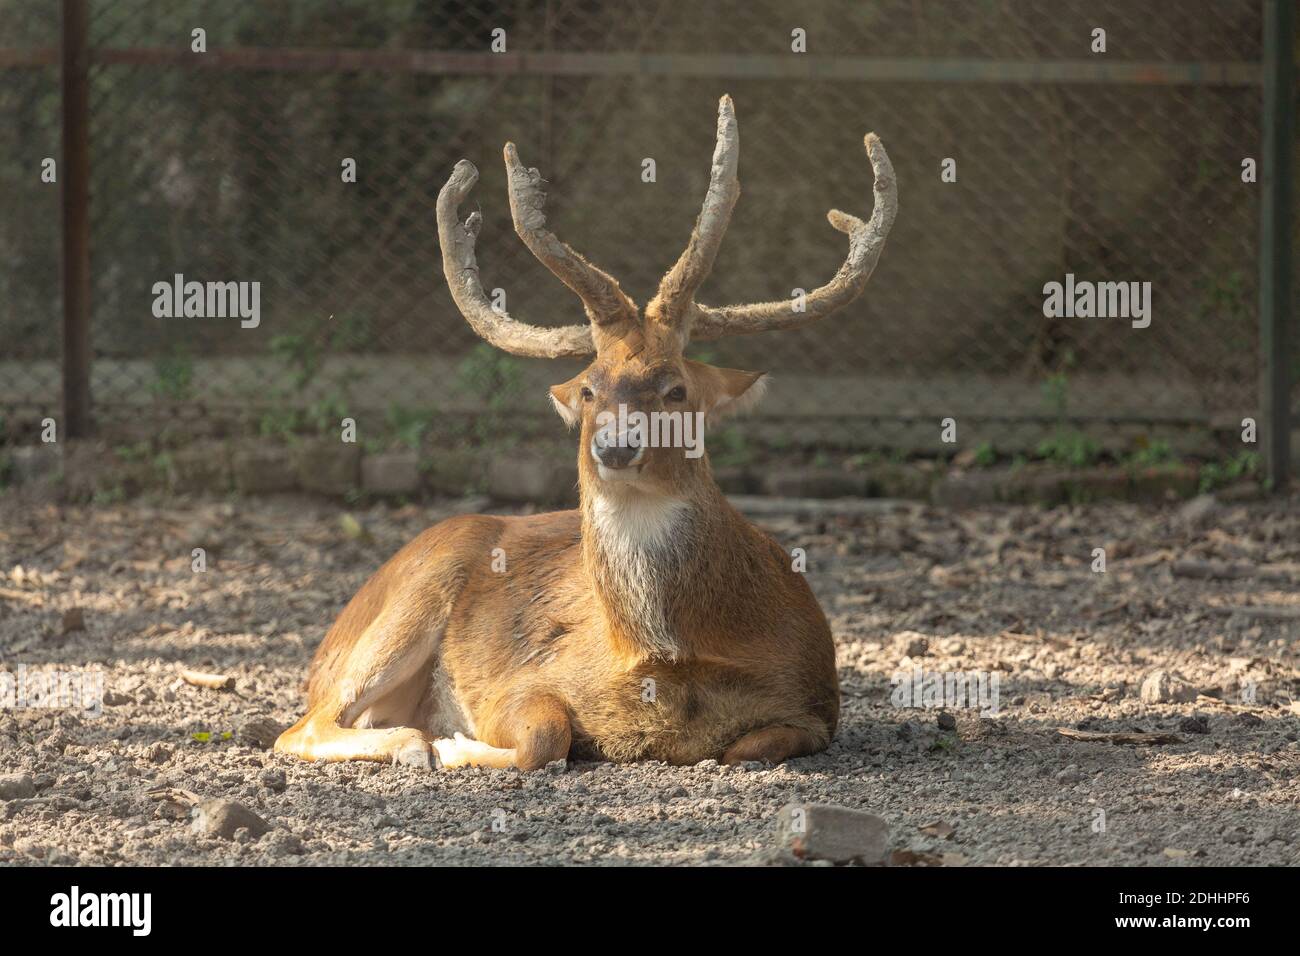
1196,724
815,483
219,819
532,478
967,489
818,831
390,473
259,732
456,471
1196,511
910,644
16,786
262,470
203,467
328,466
1164,687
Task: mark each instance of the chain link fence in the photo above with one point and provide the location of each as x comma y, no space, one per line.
227,165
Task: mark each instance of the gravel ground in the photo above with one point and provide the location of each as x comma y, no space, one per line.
1006,591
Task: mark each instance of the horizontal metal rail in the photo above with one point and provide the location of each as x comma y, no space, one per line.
734,66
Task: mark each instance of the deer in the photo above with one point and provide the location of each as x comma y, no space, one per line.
654,622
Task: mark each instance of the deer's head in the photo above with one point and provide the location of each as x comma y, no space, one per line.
639,388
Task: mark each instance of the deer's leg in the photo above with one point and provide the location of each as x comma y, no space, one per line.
528,735
775,744
380,682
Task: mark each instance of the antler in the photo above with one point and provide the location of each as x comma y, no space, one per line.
866,240
675,301
606,303
461,270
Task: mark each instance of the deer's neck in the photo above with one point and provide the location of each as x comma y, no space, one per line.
648,557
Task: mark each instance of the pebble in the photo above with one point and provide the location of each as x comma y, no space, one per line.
16,786
1196,724
260,732
1164,687
818,831
221,818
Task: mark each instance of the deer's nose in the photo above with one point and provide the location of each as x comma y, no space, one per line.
617,451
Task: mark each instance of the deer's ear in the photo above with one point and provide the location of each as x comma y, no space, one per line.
567,399
730,391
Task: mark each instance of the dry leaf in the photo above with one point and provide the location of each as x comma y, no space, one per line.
938,828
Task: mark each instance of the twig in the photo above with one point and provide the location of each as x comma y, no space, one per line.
1235,570
211,681
1118,737
1267,612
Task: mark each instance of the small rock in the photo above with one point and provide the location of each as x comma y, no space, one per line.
113,699
817,831
1196,724
1163,687
1069,774
221,818
1198,509
158,753
259,732
946,721
16,786
74,619
910,644
273,779
281,843
28,846
1247,719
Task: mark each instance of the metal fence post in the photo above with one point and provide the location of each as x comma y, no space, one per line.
75,202
1275,238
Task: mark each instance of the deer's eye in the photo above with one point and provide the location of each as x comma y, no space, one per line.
677,394
586,394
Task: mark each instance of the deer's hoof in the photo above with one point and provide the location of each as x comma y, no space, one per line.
413,753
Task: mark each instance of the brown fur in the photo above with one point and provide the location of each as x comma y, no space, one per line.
553,655
655,621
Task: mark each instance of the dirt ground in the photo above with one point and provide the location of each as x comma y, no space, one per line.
1008,591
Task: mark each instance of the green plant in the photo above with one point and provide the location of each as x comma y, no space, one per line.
408,424
491,375
1216,474
279,422
325,414
730,448
301,354
1066,445
1153,455
495,378
140,451
986,455
174,377
1069,447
